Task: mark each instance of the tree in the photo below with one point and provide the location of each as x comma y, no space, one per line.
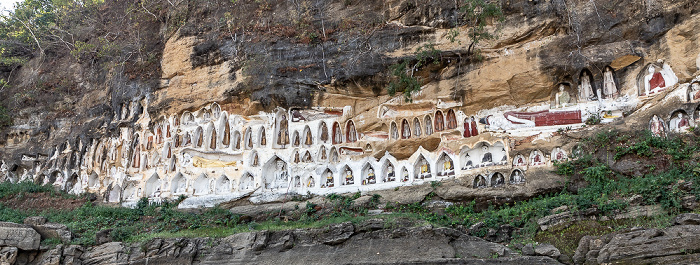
477,14
403,81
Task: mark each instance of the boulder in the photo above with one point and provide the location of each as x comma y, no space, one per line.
8,255
556,219
35,220
528,250
648,246
502,234
687,219
547,250
336,234
104,236
18,235
54,230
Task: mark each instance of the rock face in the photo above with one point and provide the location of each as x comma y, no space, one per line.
345,243
335,244
673,245
19,236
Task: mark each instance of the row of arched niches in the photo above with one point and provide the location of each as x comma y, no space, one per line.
210,153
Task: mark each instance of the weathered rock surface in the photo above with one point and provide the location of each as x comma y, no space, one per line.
687,219
54,230
671,245
345,243
19,236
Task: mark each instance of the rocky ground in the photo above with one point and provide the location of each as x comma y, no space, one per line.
370,242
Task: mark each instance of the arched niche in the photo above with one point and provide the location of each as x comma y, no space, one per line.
297,157
369,177
248,138
187,139
500,155
281,133
562,96
198,137
178,185
559,154
115,194
693,92
201,185
308,137
215,110
323,132
517,177
178,140
519,161
421,168
439,121
394,131
445,166
451,119
307,158
247,182
351,133
236,144
204,115
479,182
167,151
322,153
347,177
176,120
225,129
337,134
211,136
296,182
310,182
223,185
368,148
152,185
679,121
388,172
609,90
497,179
586,87
327,178
262,136
416,127
275,174
333,157
654,78
167,129
405,129
159,134
295,139
657,126
428,125
187,118
536,158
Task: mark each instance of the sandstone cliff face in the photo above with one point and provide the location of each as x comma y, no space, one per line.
334,57
320,53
